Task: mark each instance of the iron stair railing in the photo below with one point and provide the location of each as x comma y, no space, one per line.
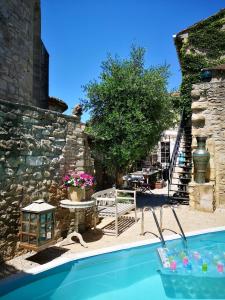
176,150
180,194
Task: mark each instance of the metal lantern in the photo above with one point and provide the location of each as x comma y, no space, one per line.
206,75
37,225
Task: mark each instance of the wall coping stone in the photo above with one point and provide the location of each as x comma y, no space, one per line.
37,109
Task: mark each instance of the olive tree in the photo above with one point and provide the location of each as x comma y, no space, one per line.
129,108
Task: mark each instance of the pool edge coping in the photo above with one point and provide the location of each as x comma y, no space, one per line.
76,256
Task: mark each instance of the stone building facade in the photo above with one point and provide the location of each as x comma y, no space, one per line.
208,115
23,57
199,47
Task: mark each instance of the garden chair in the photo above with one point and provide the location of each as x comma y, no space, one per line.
115,203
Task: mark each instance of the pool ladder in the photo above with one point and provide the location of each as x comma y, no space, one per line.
159,225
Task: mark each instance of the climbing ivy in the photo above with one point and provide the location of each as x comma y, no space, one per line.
202,47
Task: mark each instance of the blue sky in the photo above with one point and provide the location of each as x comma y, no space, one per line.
79,34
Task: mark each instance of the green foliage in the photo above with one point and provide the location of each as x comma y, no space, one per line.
203,41
193,63
208,37
129,108
205,47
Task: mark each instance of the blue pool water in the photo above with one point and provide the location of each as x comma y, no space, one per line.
134,273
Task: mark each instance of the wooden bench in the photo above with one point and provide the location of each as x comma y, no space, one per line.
115,203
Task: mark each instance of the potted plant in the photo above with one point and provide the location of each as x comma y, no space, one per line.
159,184
76,184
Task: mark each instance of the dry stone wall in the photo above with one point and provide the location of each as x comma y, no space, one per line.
37,148
208,119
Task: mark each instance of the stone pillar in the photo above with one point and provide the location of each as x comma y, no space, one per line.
201,196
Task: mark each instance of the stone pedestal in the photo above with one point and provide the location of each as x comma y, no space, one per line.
85,219
202,196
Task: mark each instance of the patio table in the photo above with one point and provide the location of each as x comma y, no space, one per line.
75,207
146,174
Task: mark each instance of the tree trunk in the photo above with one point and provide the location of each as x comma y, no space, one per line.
119,178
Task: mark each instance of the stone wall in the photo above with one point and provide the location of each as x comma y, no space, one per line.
37,148
208,115
199,46
23,58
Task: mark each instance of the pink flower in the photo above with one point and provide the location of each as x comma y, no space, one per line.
78,179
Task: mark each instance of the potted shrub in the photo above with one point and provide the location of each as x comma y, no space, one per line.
76,184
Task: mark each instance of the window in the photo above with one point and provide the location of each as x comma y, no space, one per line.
165,152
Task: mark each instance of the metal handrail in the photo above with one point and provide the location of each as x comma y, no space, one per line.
175,152
178,223
176,147
156,222
177,220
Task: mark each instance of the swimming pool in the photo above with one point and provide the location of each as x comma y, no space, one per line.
133,273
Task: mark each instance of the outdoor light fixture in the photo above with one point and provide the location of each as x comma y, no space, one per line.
37,225
206,75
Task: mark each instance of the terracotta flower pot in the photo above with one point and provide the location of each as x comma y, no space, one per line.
159,185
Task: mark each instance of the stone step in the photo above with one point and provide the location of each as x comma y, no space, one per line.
181,192
178,183
182,200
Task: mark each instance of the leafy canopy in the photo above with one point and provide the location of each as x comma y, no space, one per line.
129,108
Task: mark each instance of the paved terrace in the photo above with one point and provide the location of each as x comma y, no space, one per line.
191,220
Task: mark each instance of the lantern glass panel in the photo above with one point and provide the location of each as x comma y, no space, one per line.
26,216
49,235
49,231
43,218
25,227
42,236
24,238
49,216
33,240
33,218
33,228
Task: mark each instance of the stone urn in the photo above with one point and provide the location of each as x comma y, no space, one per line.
76,194
201,159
